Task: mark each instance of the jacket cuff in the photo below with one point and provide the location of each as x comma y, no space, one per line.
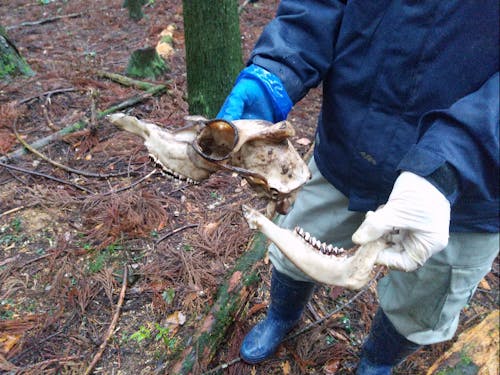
282,104
435,169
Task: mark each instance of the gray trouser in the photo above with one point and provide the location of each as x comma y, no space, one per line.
423,305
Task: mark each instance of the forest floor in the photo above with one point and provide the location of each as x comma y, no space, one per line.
66,237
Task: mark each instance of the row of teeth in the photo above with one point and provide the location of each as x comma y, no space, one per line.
172,174
326,249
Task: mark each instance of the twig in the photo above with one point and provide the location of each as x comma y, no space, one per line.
131,185
11,211
45,141
55,163
19,169
44,20
50,124
47,93
9,260
134,100
242,6
82,124
20,370
331,313
112,326
171,233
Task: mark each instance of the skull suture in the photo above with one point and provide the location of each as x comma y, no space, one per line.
323,263
258,150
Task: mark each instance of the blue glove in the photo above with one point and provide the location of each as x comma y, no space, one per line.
257,94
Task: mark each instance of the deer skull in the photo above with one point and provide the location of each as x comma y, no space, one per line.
257,150
323,263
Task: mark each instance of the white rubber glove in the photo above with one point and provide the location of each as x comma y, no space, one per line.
420,215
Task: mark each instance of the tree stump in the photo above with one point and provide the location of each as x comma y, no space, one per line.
11,61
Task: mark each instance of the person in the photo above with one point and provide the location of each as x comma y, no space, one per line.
408,133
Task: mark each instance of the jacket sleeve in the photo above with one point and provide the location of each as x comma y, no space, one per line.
297,45
464,137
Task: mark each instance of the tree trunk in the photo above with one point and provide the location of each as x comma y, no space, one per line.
11,62
213,53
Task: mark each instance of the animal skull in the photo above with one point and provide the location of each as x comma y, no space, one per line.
323,263
258,150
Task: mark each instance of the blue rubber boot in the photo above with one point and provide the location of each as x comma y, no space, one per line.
384,348
288,299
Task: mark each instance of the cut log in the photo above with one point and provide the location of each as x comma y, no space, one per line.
476,351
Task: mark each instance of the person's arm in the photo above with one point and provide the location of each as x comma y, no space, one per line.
298,44
292,55
457,152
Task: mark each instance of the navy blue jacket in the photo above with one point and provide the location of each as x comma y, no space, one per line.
407,85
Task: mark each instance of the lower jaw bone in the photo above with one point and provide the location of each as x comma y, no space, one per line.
318,260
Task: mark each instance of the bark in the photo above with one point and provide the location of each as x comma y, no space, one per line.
475,351
213,53
11,61
230,303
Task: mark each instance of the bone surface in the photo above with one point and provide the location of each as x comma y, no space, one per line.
323,263
257,150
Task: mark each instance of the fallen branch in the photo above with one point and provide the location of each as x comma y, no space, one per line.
20,370
44,20
171,233
112,325
82,124
124,80
59,165
46,93
39,174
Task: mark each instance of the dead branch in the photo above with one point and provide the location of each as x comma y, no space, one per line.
20,370
44,141
131,185
47,93
112,325
44,20
171,233
124,80
39,174
57,164
154,90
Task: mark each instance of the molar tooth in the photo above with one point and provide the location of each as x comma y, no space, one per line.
307,236
301,231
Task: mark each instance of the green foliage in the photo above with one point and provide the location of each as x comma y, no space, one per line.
168,295
142,334
163,335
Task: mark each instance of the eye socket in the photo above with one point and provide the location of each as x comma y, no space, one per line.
216,140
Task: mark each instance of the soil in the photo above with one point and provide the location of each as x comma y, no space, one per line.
64,243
